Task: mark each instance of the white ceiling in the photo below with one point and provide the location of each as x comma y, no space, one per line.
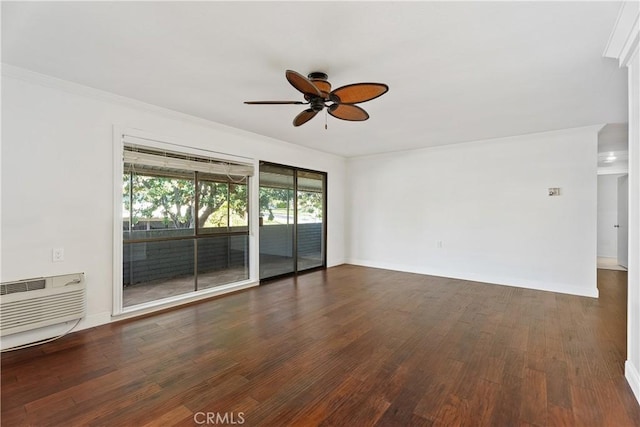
457,71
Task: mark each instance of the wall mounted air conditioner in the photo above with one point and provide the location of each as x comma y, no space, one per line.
35,303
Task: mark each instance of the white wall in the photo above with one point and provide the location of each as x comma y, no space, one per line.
608,215
632,367
624,45
487,203
57,178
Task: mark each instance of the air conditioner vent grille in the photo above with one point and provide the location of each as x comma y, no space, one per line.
36,303
41,309
23,286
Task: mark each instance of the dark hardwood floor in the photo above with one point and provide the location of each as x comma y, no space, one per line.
349,346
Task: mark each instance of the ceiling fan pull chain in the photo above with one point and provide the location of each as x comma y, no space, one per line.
325,119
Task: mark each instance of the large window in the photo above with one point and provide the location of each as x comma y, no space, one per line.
185,224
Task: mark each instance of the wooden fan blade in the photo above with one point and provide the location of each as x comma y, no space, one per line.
304,117
302,83
358,92
348,112
274,102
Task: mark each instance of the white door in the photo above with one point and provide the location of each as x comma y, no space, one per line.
623,220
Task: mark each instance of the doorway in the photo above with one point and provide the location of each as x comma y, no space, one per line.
612,228
612,196
292,220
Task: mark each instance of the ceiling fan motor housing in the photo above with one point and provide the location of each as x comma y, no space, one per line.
316,103
319,79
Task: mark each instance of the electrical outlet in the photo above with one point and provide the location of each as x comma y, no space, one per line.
58,255
439,244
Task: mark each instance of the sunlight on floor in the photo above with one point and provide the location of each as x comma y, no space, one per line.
609,264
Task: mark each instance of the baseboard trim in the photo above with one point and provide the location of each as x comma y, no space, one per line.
633,378
566,289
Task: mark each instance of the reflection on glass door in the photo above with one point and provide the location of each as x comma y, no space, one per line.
276,221
309,235
292,227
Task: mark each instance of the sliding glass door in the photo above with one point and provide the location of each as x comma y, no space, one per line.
292,226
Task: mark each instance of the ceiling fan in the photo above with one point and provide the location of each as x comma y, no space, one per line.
318,95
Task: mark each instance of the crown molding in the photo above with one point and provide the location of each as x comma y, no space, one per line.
48,81
45,80
625,36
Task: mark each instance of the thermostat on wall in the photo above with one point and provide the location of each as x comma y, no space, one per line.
555,191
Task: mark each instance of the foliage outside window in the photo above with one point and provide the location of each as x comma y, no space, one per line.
184,230
164,202
276,206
